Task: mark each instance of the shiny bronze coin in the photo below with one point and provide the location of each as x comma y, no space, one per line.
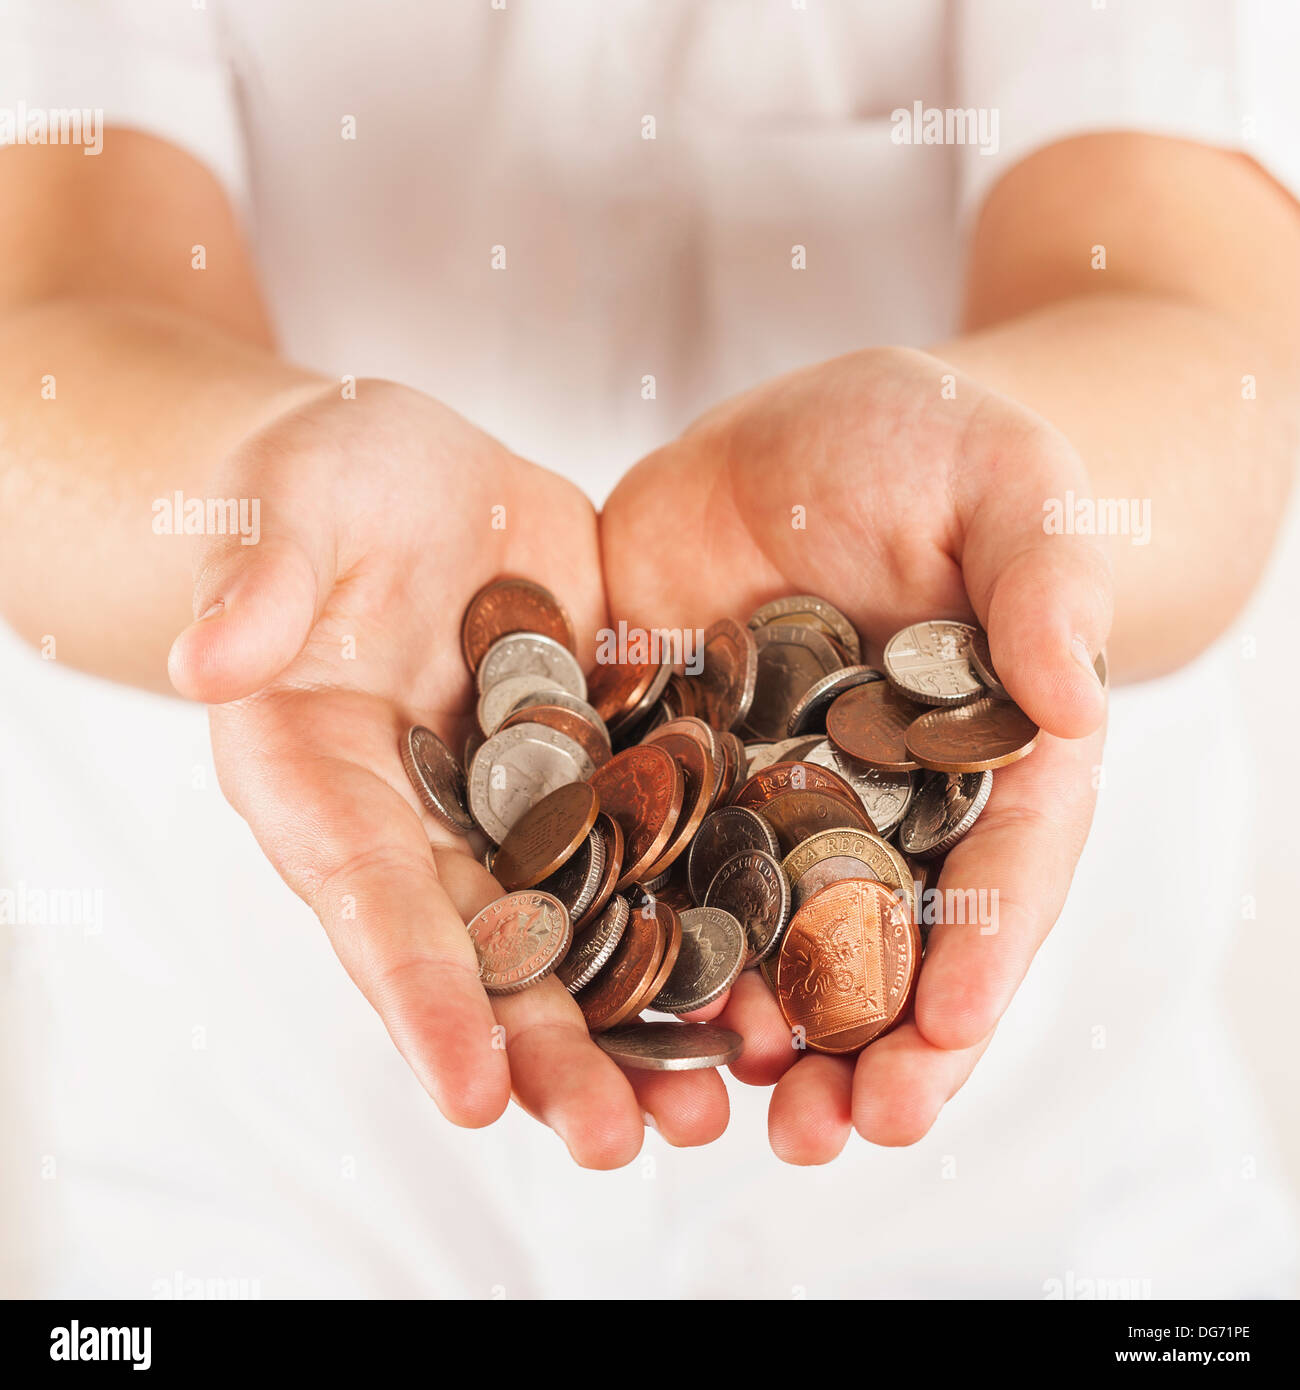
670,920
972,738
847,966
712,954
511,605
808,716
725,833
615,689
730,671
619,991
796,816
753,887
577,880
642,789
546,835
671,1046
792,777
607,828
592,949
694,747
733,760
589,738
981,660
870,723
520,939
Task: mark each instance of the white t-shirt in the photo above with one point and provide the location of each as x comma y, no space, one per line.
197,1092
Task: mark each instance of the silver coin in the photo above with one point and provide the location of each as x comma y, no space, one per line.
752,886
981,660
799,608
712,955
561,699
531,654
760,756
723,834
520,939
514,769
930,663
730,673
808,714
500,699
832,855
885,796
437,777
591,952
670,1046
790,661
576,882
945,807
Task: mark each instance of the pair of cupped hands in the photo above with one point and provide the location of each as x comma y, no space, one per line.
862,480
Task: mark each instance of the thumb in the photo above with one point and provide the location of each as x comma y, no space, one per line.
255,607
1043,593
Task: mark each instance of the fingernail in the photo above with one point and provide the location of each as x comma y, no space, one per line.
211,612
1083,656
649,1121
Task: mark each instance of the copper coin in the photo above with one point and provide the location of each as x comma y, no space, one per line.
753,887
511,605
619,991
733,755
682,697
885,796
847,966
671,921
790,661
943,811
576,881
981,660
725,833
797,777
520,939
546,835
870,723
671,1046
616,688
592,949
642,789
590,739
437,777
607,829
694,748
730,671
809,712
712,955
972,738
796,816
930,663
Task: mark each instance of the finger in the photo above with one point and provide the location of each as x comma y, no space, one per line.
563,1079
901,1082
1007,880
752,1011
255,603
1044,595
810,1115
688,1108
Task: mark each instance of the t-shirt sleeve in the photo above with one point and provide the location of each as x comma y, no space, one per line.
1213,71
156,66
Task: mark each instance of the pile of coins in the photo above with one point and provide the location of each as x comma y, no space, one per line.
661,825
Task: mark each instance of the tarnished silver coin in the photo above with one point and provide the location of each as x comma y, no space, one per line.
436,776
531,654
712,955
806,610
724,833
885,796
981,660
760,756
592,950
930,663
945,807
752,886
520,939
671,1046
576,882
516,768
500,699
809,712
790,661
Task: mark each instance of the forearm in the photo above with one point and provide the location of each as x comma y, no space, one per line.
1170,404
110,406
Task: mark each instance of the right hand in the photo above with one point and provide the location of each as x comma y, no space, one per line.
317,648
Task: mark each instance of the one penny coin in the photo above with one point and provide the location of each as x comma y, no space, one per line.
973,738
641,788
546,836
870,723
511,605
619,990
795,816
